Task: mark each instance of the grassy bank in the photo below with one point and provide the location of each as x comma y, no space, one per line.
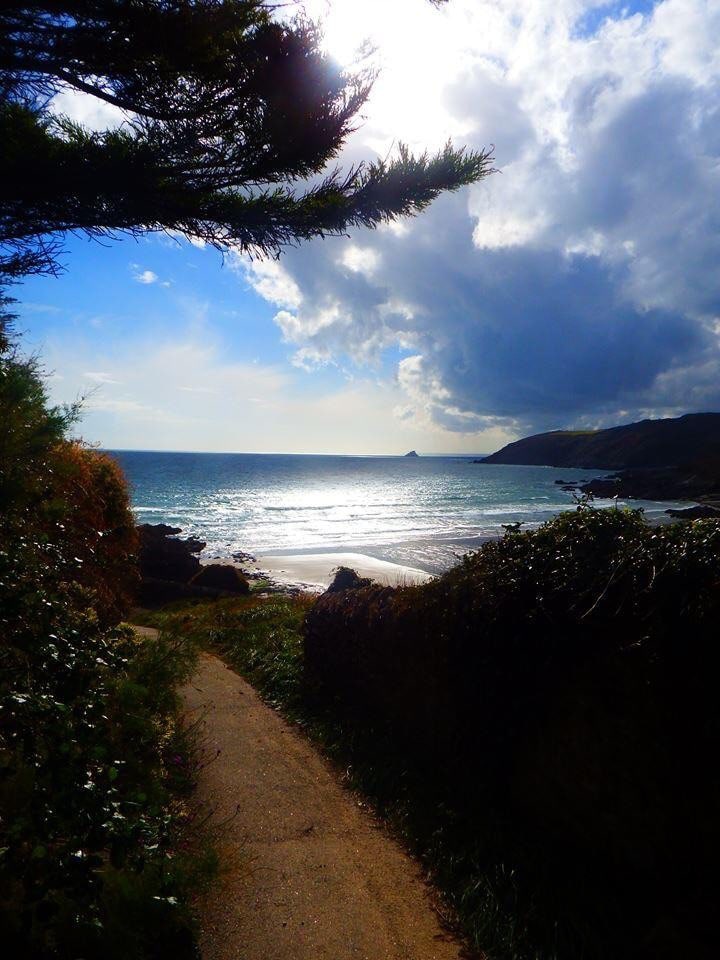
99,854
539,725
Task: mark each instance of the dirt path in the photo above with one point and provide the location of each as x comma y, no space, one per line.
145,631
312,875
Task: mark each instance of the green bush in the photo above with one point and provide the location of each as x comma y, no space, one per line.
553,702
91,857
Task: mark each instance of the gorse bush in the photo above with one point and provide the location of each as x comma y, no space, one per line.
99,529
553,700
89,858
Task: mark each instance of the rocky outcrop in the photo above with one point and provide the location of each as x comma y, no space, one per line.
221,577
347,579
695,482
411,453
701,512
164,556
171,570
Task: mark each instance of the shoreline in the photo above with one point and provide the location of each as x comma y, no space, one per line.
314,572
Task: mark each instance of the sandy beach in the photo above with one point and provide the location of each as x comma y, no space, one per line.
316,570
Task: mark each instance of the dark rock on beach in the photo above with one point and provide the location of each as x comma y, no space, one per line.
701,512
171,570
158,530
222,577
164,556
243,557
347,579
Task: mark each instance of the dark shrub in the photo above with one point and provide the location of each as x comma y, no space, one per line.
559,689
346,578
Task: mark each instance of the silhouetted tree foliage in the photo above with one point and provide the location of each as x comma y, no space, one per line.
231,117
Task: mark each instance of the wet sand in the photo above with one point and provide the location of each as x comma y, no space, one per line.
316,570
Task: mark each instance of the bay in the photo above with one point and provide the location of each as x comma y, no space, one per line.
422,512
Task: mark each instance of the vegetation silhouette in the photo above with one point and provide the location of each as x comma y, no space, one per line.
92,761
230,117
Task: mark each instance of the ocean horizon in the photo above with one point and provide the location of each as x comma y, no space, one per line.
423,512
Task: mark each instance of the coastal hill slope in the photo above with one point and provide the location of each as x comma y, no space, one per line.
682,441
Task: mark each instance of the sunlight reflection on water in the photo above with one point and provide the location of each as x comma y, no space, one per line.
423,512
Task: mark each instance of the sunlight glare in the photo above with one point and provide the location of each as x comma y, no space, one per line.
417,50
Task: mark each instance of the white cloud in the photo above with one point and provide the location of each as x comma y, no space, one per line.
99,376
579,283
145,276
270,279
89,111
360,259
310,358
226,405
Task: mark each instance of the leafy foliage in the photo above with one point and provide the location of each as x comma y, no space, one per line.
87,860
231,117
545,712
29,427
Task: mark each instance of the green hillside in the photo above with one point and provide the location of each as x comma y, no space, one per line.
677,442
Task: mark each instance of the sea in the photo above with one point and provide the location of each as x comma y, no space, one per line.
423,512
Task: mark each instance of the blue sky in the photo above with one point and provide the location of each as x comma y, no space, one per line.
126,287
577,287
595,16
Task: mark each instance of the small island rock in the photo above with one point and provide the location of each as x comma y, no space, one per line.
412,453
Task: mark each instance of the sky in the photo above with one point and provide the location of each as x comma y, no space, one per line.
576,287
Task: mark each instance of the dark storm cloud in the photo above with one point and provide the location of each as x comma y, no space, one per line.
581,284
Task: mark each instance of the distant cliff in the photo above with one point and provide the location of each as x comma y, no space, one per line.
680,442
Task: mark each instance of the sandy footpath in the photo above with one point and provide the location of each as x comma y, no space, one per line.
308,873
316,569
